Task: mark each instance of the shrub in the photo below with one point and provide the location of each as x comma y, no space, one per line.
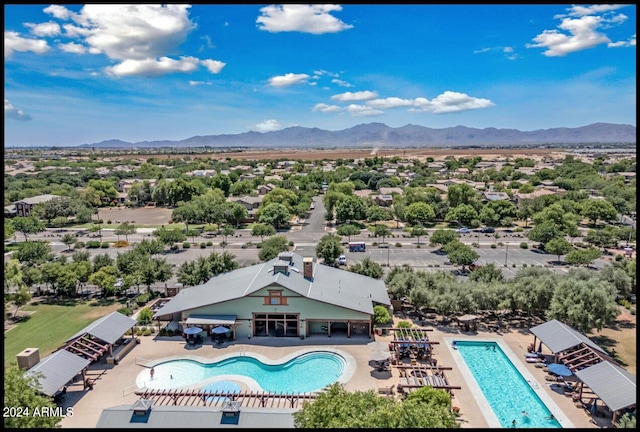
80,245
632,311
404,324
525,264
223,244
475,245
142,299
93,244
174,248
209,243
108,221
145,316
519,229
120,243
619,258
417,246
398,244
513,265
104,245
203,245
125,311
186,245
291,243
500,244
493,246
147,332
524,245
374,244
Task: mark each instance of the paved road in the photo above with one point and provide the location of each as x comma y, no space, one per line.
309,232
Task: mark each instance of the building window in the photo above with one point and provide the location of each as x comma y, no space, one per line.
275,298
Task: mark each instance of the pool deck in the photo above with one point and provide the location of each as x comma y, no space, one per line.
116,384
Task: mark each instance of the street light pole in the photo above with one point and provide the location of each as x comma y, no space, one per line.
506,253
387,255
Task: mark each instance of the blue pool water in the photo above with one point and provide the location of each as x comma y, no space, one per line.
507,392
305,373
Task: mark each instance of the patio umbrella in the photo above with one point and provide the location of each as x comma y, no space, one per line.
380,355
192,330
559,369
219,330
378,346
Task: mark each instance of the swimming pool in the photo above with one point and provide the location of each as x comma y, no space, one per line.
507,392
306,372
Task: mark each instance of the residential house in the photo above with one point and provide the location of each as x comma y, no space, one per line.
287,296
24,206
251,203
495,196
391,190
383,200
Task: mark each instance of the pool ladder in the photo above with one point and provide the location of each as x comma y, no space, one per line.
533,385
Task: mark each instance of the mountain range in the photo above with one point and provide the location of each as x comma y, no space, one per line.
409,136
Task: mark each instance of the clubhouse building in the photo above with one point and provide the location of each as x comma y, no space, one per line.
288,296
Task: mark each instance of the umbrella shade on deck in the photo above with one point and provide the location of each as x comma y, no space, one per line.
559,369
219,330
380,355
192,330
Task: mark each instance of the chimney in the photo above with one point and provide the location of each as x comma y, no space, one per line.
307,268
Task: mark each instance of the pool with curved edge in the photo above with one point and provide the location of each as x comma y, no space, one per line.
288,374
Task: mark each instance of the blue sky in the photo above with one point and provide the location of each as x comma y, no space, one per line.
79,74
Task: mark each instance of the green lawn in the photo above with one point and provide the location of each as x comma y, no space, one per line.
50,325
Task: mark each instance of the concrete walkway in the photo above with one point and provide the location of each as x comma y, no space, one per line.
116,384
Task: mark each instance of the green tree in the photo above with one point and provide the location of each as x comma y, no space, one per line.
170,236
460,254
275,214
9,230
271,247
68,239
381,231
375,214
442,237
545,232
28,225
329,248
598,209
487,273
603,237
145,316
21,392
350,208
33,252
584,257
125,229
419,213
584,304
105,279
368,267
558,246
262,231
418,231
348,230
227,231
381,315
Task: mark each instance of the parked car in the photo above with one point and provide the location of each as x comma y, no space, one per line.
463,230
342,260
488,230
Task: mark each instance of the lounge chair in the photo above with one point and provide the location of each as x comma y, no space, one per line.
388,390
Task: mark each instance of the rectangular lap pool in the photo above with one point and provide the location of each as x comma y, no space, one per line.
495,381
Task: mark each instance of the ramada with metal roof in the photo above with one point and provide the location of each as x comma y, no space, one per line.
314,292
591,364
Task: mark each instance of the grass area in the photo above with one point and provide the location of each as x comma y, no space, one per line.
50,325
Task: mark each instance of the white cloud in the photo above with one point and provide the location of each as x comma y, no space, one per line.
630,42
577,10
214,66
288,79
450,101
73,48
59,12
341,83
138,37
390,102
152,67
363,111
47,29
356,96
580,29
14,42
268,126
326,108
13,113
314,19
197,83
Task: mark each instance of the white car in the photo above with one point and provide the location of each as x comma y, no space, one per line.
342,260
463,230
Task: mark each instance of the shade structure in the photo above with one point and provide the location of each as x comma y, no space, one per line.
219,330
378,346
192,330
559,369
380,355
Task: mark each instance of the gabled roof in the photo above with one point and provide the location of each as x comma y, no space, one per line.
329,285
109,328
614,385
57,370
559,337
